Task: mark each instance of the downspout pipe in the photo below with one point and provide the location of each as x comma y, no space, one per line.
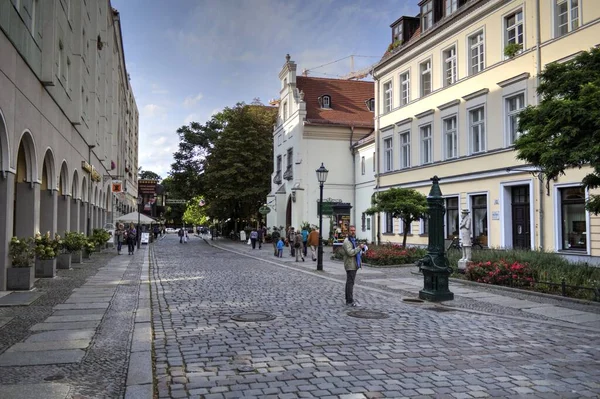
353,174
538,53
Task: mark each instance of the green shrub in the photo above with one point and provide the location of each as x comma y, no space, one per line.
21,252
73,241
47,247
386,255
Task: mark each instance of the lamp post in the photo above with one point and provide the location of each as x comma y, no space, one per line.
139,233
321,177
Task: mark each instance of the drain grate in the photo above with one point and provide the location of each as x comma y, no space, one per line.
56,377
368,314
412,300
255,316
246,369
440,309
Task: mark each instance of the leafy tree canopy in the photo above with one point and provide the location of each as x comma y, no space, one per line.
563,131
194,213
406,204
147,174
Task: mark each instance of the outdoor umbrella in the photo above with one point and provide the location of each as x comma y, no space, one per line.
133,218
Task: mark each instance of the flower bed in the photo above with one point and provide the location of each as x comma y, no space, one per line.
389,255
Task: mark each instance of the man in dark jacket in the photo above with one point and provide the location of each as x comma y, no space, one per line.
275,237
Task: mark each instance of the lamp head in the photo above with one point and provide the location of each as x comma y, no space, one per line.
322,174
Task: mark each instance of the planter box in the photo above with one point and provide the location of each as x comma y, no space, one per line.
63,261
45,268
76,257
20,278
86,254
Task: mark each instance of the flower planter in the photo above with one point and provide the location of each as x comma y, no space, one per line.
20,278
45,268
76,257
86,254
63,261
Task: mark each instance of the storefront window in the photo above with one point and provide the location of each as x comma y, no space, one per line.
574,229
451,217
479,218
389,223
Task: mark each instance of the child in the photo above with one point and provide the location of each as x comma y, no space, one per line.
280,245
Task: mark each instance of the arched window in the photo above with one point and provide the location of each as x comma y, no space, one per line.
326,102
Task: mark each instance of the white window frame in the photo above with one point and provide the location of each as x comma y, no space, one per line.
397,32
387,215
450,7
374,158
518,38
405,88
571,23
326,101
404,149
388,154
481,128
470,196
453,133
450,66
285,111
279,139
508,114
424,71
558,239
427,16
426,141
388,96
362,166
476,44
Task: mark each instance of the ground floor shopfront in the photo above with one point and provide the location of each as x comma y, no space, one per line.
509,208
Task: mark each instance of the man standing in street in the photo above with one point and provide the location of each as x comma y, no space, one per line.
291,235
275,238
313,243
181,234
352,263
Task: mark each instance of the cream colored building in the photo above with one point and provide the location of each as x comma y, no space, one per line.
68,119
447,105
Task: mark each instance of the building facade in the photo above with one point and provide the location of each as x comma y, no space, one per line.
319,122
68,119
448,93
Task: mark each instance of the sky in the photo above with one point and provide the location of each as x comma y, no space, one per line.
188,59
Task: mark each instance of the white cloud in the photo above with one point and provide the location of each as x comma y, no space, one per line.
153,111
190,101
157,89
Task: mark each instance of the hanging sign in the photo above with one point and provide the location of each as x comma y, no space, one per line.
117,186
264,210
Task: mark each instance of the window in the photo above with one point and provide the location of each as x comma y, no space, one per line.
514,105
404,227
405,88
59,61
388,155
27,10
363,222
284,83
278,163
279,139
426,16
285,110
573,216
514,28
426,155
67,74
476,53
405,150
373,161
424,224
387,96
397,33
389,223
566,16
290,157
326,102
362,166
425,78
451,6
477,129
479,218
368,223
451,217
450,66
450,138
370,104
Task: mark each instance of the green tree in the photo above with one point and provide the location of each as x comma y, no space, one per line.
404,203
563,131
194,213
237,171
147,174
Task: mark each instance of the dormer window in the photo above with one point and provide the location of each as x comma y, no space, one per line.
324,101
370,104
451,6
397,32
427,16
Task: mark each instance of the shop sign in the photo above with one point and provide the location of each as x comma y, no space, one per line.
117,186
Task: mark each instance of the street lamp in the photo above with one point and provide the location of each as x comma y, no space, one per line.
139,237
321,177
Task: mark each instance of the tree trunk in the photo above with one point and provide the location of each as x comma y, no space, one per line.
404,232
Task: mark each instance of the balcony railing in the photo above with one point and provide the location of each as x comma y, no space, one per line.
288,174
277,178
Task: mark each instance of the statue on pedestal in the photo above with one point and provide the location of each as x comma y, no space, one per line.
465,235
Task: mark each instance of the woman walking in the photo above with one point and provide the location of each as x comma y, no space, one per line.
131,238
119,237
298,246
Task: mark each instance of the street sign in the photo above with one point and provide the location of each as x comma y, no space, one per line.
263,210
176,201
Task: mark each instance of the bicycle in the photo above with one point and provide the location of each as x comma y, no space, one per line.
455,244
234,236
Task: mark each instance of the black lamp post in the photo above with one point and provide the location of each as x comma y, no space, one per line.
321,177
139,232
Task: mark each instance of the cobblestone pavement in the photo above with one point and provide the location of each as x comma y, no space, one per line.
102,371
313,348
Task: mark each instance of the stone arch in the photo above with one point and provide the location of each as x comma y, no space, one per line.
84,204
75,210
63,202
4,148
48,171
84,190
27,166
95,196
63,179
75,194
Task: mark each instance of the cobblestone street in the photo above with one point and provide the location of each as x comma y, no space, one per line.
313,348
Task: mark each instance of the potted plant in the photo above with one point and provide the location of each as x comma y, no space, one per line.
46,250
512,49
20,276
74,243
89,247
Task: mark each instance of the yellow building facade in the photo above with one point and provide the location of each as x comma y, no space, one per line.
448,98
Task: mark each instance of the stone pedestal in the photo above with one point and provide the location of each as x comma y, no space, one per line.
462,265
20,278
45,268
63,261
76,257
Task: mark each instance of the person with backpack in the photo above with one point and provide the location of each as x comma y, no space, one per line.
298,246
275,238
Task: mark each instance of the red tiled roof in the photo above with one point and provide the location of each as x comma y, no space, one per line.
348,101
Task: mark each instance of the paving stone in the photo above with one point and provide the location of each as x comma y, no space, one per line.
49,346
68,319
41,357
46,391
75,325
62,335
